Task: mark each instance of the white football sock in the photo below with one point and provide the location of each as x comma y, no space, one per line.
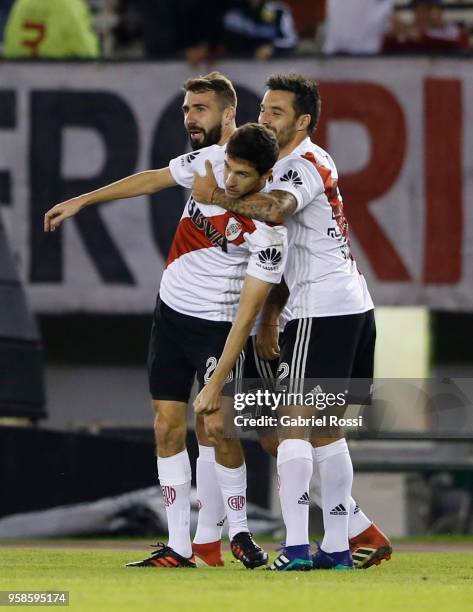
232,482
336,477
295,471
175,479
211,508
357,519
316,485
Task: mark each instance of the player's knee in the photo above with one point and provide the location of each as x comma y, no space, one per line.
200,431
170,433
214,430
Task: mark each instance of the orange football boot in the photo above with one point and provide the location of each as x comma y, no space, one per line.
370,547
209,553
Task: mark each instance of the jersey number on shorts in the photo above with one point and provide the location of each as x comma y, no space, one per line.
283,370
211,364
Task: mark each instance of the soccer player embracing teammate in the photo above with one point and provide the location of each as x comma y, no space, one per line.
216,261
331,335
220,261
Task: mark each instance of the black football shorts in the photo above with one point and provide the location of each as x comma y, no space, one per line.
322,349
182,347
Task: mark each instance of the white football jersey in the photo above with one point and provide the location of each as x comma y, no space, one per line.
321,274
214,249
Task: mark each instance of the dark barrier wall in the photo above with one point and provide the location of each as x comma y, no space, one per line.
42,469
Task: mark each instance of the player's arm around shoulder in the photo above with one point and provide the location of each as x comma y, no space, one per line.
273,207
295,183
141,183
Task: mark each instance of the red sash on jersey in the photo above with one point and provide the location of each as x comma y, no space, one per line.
332,193
334,198
199,232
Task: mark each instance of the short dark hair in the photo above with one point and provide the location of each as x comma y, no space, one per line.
255,144
307,99
216,82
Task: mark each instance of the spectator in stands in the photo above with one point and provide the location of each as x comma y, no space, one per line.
427,32
5,6
50,29
258,29
190,28
356,26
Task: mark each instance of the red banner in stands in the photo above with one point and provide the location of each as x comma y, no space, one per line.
399,130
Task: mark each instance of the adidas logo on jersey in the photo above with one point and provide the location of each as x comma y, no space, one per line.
190,158
270,258
304,499
339,510
233,229
292,176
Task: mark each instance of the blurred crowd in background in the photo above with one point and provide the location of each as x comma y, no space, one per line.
204,31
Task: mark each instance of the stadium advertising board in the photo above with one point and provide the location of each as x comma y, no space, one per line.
400,131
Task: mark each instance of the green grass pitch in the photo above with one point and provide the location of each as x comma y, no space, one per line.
97,580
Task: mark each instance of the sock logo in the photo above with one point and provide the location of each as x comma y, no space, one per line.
339,510
304,499
169,495
236,502
357,509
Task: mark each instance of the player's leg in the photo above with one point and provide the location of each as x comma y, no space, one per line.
230,467
330,362
294,456
367,542
230,470
207,540
369,545
170,379
255,368
174,471
261,374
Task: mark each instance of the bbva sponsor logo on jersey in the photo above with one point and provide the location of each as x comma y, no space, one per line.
270,258
233,229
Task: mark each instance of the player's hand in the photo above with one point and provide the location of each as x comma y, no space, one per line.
208,400
57,214
267,342
204,186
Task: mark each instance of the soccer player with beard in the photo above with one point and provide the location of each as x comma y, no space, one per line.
209,112
332,332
